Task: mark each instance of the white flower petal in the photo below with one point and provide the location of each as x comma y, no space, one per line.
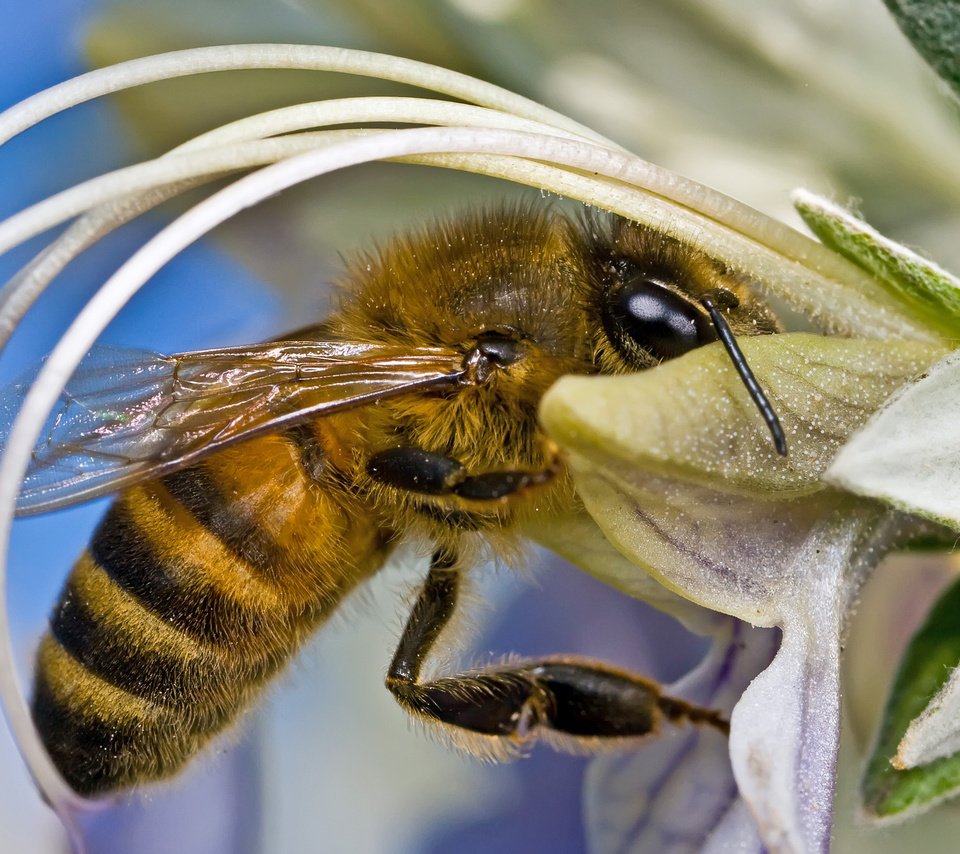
785,730
908,454
735,834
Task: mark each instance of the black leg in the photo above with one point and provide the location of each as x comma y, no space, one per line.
571,701
420,471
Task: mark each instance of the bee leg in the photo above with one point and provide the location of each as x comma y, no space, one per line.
576,699
415,470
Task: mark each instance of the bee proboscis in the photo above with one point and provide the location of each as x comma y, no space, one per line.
262,484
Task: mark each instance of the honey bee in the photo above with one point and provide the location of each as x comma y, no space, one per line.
261,484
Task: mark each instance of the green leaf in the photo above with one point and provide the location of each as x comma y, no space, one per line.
926,667
933,27
929,290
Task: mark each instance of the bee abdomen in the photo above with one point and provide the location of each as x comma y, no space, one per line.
190,601
166,630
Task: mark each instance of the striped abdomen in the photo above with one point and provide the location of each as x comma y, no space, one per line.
195,590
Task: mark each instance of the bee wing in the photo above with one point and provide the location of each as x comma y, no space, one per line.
131,415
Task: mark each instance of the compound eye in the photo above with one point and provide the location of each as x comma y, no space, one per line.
643,314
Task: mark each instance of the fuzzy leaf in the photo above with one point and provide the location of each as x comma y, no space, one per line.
928,289
908,454
933,26
676,792
915,762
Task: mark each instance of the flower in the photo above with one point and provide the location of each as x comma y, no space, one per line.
689,497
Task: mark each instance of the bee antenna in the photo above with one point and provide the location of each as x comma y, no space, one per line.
749,380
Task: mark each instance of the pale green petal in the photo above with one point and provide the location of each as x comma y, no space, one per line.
692,417
796,564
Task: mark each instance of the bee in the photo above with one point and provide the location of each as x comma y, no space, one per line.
260,485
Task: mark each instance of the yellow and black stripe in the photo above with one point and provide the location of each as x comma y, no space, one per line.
195,590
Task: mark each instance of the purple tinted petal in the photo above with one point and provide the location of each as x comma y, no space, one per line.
785,731
677,791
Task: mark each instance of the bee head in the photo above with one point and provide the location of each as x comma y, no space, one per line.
649,296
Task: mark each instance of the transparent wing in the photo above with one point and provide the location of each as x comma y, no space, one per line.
131,415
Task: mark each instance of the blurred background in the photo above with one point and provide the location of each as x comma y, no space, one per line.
751,96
